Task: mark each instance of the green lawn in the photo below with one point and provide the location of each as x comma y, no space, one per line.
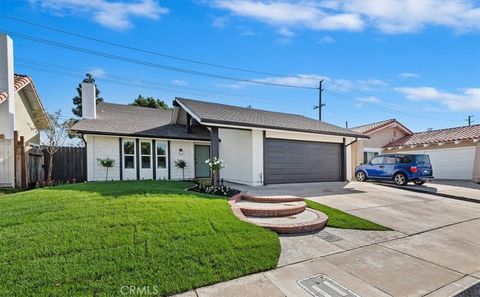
340,219
92,239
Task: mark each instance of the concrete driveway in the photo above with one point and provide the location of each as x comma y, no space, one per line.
434,249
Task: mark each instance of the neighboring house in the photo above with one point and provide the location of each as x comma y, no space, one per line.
381,134
20,109
454,152
260,147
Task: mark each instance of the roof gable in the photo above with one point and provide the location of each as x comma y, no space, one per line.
377,126
222,114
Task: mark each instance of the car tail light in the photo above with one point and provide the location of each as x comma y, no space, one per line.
413,169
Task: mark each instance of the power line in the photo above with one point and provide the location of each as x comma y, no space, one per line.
150,64
156,53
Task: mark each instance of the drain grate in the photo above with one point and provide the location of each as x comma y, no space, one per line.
323,286
328,236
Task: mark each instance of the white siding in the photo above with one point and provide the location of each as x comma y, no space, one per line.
450,163
236,150
101,147
257,157
188,155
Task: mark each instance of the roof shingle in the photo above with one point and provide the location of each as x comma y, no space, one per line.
368,128
438,136
209,112
118,119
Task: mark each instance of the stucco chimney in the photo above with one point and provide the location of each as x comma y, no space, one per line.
89,105
7,108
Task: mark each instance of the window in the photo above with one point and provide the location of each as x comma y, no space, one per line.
404,159
422,159
129,154
161,155
367,156
146,154
390,160
377,161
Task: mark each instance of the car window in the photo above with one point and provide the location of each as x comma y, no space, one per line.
404,159
422,159
377,161
390,160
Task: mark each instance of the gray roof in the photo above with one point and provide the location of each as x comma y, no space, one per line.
249,117
118,119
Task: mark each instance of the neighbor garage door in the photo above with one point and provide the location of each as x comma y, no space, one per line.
451,163
290,161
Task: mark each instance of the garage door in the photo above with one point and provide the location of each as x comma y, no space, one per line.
289,161
454,163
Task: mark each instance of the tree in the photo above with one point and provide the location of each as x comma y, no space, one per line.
53,133
150,102
106,163
182,164
77,100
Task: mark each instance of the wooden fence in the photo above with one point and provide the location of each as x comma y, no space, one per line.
69,165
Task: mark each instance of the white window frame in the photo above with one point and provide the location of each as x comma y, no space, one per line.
129,155
165,155
142,155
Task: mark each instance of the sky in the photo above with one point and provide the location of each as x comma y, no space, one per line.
415,60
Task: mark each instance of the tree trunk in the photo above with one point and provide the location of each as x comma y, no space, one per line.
106,175
50,169
215,179
183,174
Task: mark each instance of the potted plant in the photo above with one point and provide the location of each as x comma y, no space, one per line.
106,163
182,164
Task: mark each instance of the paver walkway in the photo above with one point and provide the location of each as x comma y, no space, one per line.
434,250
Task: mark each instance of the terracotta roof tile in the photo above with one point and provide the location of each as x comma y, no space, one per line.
19,82
438,136
369,128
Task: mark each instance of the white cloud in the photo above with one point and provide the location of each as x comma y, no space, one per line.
285,32
219,22
326,39
312,80
387,16
97,72
367,100
179,82
409,75
111,14
464,100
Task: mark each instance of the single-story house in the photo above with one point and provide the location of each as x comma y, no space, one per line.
20,112
454,152
259,147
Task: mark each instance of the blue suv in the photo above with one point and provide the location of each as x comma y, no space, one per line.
401,168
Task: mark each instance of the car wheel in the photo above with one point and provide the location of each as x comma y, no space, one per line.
361,176
419,182
400,179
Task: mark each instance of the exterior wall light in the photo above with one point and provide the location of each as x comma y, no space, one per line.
180,151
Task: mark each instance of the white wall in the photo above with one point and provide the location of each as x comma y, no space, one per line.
102,147
188,155
257,157
236,150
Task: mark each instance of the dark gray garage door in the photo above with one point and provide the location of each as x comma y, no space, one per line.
290,161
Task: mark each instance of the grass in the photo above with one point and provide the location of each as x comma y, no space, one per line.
343,220
92,239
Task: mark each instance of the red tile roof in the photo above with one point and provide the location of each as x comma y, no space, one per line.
438,136
19,82
369,128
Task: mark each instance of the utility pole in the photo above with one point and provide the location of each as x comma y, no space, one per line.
320,102
469,120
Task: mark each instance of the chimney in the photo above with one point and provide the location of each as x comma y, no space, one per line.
89,101
7,108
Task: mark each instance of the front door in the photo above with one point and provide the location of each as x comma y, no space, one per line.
202,153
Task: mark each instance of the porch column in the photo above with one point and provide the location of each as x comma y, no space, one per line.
214,151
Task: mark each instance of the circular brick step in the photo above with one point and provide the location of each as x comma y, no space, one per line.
270,199
307,221
279,209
